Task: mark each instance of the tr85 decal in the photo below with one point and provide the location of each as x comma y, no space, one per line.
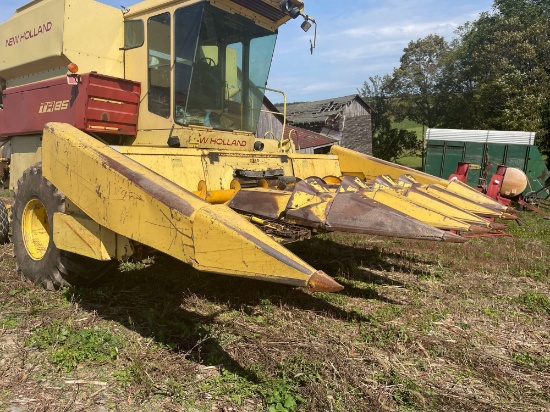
48,107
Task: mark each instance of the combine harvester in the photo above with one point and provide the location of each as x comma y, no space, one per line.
130,131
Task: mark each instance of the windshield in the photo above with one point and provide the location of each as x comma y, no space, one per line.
222,63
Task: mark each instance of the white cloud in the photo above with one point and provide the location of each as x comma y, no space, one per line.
356,39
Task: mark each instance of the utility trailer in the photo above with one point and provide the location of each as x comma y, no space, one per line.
131,130
485,151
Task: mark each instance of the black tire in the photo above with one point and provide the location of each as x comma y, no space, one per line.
4,224
38,259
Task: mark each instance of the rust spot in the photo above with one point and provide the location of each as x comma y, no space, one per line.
321,282
259,202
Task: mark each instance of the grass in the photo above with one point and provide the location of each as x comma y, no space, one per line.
413,160
420,326
411,126
69,347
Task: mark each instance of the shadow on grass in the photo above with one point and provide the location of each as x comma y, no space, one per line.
151,301
357,263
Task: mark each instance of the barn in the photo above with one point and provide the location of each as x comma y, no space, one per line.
315,126
346,119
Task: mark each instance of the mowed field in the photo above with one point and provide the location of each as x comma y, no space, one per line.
420,326
413,160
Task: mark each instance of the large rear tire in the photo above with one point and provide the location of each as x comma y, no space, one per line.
38,259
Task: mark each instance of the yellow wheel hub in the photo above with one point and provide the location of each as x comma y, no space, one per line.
36,229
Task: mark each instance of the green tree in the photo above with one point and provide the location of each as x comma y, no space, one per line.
499,73
418,80
388,143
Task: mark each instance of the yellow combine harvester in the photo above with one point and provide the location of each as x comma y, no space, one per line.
131,130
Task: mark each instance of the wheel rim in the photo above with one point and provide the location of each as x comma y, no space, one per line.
36,229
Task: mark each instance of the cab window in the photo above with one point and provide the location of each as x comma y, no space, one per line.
158,57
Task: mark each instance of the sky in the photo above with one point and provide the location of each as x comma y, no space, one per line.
356,39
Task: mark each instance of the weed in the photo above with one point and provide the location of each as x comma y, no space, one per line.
534,301
385,336
426,321
334,298
99,295
9,321
347,269
301,370
463,325
405,391
540,363
430,272
531,228
68,347
280,394
136,379
539,272
490,311
267,305
282,397
202,343
132,265
385,314
14,292
231,385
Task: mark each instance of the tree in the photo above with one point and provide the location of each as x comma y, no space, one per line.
494,75
418,80
388,143
500,70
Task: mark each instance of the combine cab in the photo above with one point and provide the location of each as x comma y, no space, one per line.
135,130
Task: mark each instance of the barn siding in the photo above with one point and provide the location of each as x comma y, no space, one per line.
356,133
354,109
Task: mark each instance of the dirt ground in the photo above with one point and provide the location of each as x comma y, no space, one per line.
420,326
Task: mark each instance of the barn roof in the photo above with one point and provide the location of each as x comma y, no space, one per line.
304,139
318,111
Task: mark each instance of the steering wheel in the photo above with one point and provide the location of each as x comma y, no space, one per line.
208,61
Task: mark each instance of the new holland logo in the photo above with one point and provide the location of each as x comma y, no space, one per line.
48,107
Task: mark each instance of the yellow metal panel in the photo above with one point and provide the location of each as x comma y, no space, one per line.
181,166
32,39
187,167
93,37
458,201
368,167
191,136
152,6
40,41
118,193
459,188
156,6
445,208
314,165
26,151
82,236
232,246
391,198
